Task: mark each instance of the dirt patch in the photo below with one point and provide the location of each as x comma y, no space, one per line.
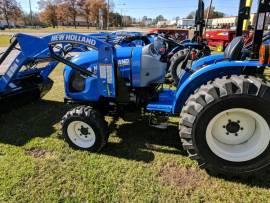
187,178
38,153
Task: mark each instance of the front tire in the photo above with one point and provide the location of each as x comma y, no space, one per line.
225,126
84,128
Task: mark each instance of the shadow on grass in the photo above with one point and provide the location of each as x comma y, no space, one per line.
138,141
261,180
33,120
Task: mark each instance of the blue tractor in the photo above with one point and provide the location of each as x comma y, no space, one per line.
224,122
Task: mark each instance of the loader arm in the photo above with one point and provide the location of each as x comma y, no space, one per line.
33,49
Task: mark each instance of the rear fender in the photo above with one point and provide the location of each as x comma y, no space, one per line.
207,61
208,73
200,63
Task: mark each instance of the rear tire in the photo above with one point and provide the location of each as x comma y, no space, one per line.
85,128
175,67
224,126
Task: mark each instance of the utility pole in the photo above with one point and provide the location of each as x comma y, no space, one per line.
31,15
122,17
108,15
207,17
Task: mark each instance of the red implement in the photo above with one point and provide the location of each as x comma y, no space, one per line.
219,39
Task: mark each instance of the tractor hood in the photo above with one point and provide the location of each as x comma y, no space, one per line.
91,57
89,60
141,66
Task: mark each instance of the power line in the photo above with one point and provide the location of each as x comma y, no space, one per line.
154,8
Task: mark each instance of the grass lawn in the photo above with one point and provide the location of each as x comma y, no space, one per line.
4,40
139,164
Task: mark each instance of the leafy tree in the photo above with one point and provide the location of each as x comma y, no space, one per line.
158,18
61,13
48,12
72,8
144,18
95,6
115,19
191,15
213,13
85,8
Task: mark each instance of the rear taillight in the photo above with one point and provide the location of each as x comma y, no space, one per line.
265,54
223,34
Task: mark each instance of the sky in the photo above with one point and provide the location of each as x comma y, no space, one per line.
152,8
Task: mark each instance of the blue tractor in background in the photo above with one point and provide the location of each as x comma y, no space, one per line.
224,121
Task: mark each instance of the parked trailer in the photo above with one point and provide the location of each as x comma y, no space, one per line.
219,39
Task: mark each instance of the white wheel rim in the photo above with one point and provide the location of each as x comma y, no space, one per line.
81,134
251,139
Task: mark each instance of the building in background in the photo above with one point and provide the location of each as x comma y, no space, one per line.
226,22
231,22
162,23
186,23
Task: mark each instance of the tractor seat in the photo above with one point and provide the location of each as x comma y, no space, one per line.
234,49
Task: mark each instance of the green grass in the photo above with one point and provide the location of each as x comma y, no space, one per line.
139,164
4,40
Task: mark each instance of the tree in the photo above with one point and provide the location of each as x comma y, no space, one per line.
144,18
48,11
72,7
191,15
11,10
96,5
213,13
35,18
16,14
158,18
85,8
115,19
61,13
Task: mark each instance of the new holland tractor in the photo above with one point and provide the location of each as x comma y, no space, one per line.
224,121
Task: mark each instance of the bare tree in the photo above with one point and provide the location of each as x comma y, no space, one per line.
11,10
